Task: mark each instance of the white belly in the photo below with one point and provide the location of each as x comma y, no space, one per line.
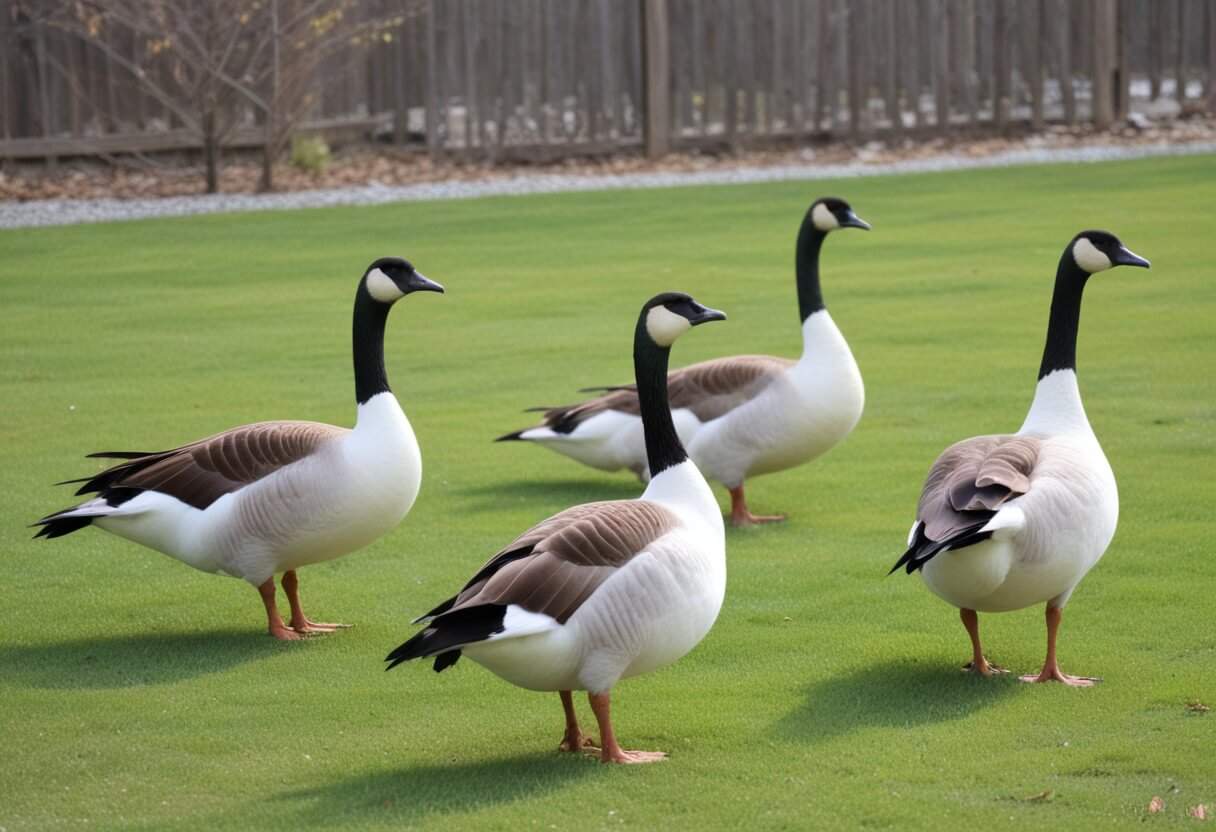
991,577
646,616
788,424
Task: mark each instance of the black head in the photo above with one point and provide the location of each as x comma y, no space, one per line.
1097,251
829,213
671,314
390,278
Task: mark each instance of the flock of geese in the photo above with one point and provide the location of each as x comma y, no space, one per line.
608,590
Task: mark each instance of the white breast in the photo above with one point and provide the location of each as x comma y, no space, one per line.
797,418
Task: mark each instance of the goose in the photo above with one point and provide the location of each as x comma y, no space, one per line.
601,591
271,497
740,416
1012,520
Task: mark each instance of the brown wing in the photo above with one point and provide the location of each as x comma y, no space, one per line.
709,389
966,486
974,477
556,565
200,473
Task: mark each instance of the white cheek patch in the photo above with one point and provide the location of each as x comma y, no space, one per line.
381,287
1088,257
665,326
824,219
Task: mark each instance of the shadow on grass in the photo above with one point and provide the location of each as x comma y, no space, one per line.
132,660
894,694
413,794
567,491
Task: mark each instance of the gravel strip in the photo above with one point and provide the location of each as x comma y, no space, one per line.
71,212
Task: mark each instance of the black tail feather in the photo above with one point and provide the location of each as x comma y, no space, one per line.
923,549
445,660
512,436
449,632
122,454
53,527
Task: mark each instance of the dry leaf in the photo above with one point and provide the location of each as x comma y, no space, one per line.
1197,707
1199,812
1041,797
1155,805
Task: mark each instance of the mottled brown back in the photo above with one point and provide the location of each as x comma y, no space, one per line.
200,473
555,566
710,390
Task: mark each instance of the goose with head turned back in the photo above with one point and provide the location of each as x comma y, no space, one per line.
274,496
739,416
601,591
1008,521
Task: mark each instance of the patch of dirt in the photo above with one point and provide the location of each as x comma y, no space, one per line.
370,164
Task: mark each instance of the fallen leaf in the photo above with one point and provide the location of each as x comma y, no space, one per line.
1197,707
1041,797
1199,812
1155,805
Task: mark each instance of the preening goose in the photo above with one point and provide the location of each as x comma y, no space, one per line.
739,416
601,591
274,496
1008,521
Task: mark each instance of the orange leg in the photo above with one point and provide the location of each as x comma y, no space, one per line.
1051,668
273,620
575,739
739,514
979,663
611,751
299,621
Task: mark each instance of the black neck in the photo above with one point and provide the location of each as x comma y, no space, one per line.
1060,352
663,447
368,342
806,261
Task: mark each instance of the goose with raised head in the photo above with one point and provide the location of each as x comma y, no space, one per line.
601,591
1012,520
740,416
271,497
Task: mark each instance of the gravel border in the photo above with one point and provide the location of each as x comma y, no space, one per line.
71,212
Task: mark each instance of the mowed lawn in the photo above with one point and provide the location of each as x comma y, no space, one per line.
138,693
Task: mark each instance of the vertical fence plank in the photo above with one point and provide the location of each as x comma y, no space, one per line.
856,56
656,68
1064,50
1102,52
1001,71
936,29
825,91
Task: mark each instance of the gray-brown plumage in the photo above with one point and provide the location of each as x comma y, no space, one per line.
557,564
709,389
967,484
201,472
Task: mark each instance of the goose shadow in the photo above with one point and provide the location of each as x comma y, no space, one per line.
566,491
131,660
414,794
895,694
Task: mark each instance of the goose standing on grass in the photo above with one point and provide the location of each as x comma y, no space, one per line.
601,591
740,416
1008,521
274,496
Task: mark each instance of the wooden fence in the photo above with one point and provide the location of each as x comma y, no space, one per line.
550,78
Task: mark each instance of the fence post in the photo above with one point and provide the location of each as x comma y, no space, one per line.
656,74
1104,14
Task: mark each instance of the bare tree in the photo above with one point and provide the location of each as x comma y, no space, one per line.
192,57
300,36
219,64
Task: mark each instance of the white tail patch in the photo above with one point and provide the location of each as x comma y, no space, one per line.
381,287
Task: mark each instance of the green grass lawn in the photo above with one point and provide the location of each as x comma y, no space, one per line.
137,693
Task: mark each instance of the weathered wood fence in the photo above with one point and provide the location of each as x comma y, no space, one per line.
550,78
